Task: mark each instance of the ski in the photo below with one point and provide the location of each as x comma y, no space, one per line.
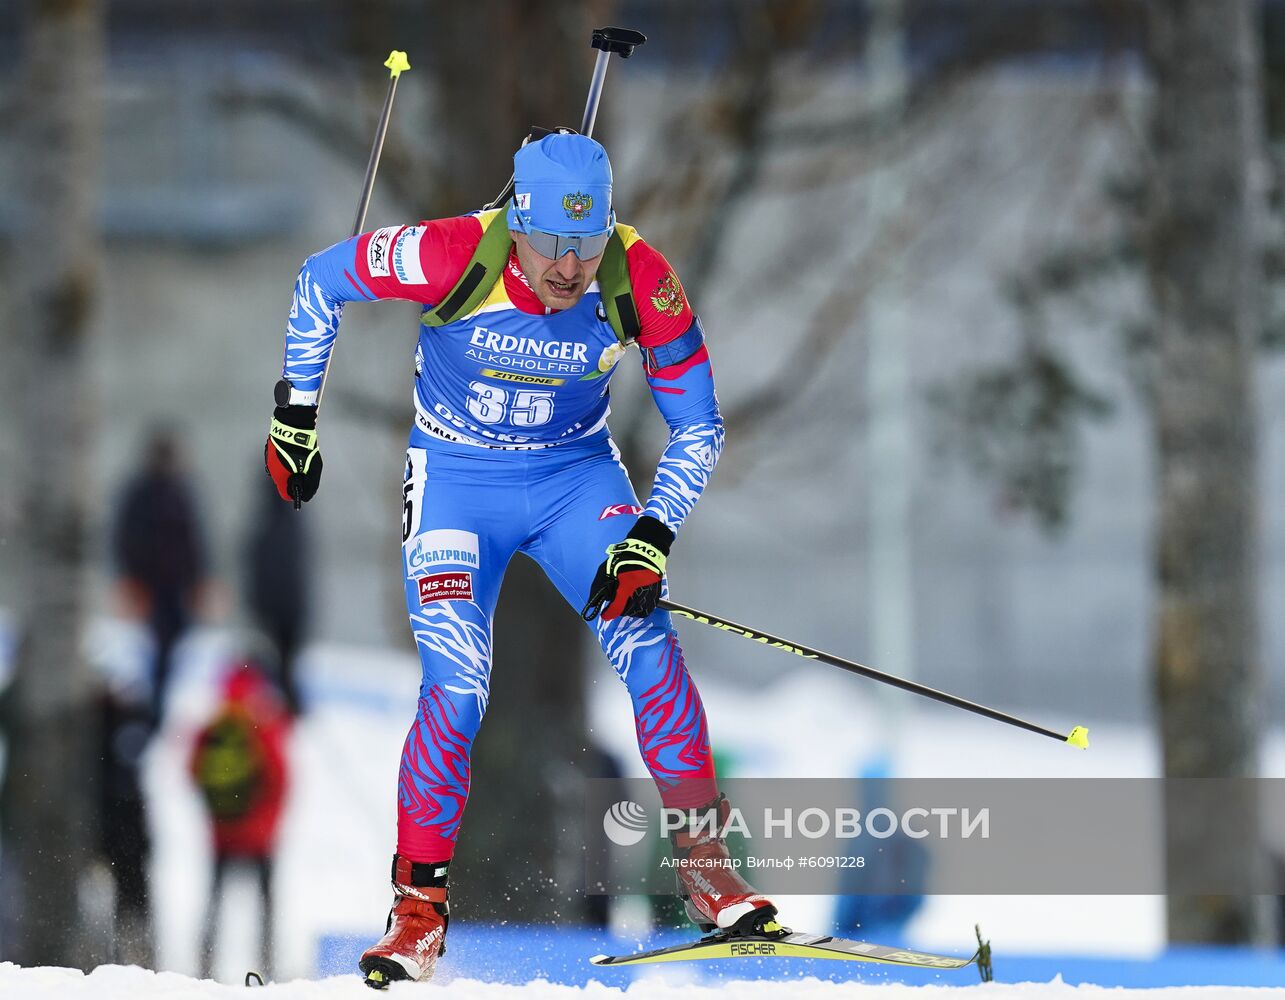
792,944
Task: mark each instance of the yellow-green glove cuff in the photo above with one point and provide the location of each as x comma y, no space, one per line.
292,435
634,554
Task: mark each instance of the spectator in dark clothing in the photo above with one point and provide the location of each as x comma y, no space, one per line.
160,555
276,585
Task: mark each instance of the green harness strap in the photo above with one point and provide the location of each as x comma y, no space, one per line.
617,292
479,277
492,255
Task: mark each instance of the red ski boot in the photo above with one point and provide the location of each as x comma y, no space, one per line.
415,937
716,896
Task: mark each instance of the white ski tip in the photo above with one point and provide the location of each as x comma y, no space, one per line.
599,959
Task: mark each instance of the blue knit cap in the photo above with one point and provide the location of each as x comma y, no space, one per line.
562,184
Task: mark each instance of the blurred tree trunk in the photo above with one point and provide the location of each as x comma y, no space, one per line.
501,67
1205,207
47,828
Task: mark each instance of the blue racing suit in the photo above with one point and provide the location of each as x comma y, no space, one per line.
510,452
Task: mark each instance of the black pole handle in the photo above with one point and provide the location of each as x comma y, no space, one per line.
618,41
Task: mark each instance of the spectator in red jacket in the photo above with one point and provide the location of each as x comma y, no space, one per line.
239,765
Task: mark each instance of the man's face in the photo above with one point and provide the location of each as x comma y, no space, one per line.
560,283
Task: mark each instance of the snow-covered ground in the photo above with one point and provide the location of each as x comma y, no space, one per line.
113,982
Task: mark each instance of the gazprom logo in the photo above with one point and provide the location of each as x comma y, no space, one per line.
442,547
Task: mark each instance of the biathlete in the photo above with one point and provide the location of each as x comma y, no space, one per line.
527,313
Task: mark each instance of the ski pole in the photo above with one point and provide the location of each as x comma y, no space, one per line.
1078,737
622,42
397,64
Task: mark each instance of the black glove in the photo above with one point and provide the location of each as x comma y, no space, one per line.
291,455
628,581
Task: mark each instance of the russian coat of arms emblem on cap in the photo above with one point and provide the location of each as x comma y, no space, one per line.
577,206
